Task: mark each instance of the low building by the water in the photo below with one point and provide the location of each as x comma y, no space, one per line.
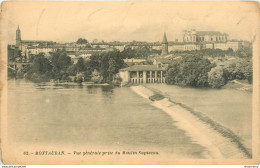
140,74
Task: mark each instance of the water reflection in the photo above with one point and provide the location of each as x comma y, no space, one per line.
92,89
107,90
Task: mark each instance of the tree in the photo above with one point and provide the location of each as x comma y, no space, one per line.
139,52
72,70
206,52
108,64
215,78
189,71
14,54
244,69
173,75
95,62
88,71
40,65
82,41
80,77
96,77
245,51
40,70
229,72
80,66
60,62
104,67
118,60
111,68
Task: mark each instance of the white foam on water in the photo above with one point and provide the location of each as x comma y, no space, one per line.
142,91
217,146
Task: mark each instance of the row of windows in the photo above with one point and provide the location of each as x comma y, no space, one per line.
134,74
202,38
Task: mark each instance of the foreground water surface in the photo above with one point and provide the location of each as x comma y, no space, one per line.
98,115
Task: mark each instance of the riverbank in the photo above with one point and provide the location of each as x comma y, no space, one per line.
220,141
81,83
239,85
60,85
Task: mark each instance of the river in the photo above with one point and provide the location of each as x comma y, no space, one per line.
230,107
102,116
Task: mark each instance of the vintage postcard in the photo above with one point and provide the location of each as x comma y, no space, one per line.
130,82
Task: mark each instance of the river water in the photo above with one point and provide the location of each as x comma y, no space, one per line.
230,107
95,115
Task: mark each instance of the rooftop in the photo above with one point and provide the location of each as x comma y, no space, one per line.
209,33
143,68
101,43
163,60
36,41
164,39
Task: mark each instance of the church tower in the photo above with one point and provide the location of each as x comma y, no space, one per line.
18,37
164,45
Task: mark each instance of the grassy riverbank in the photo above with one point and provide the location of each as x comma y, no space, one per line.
239,85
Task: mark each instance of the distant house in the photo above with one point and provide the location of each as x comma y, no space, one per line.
32,50
133,60
156,46
119,47
100,45
85,55
176,47
164,62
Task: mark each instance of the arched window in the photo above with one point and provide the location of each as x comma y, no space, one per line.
164,74
153,74
133,75
159,74
148,74
141,74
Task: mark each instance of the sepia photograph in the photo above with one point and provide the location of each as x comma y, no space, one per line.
129,82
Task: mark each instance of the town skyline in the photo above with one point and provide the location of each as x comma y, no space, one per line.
126,21
95,40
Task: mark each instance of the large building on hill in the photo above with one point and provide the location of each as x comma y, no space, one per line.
204,36
199,40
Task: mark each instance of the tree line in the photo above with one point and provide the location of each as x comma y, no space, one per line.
99,68
197,71
242,52
60,67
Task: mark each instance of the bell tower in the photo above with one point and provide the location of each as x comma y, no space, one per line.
18,37
164,45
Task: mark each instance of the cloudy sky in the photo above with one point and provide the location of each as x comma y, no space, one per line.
126,21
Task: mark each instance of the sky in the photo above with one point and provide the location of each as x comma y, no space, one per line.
126,21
